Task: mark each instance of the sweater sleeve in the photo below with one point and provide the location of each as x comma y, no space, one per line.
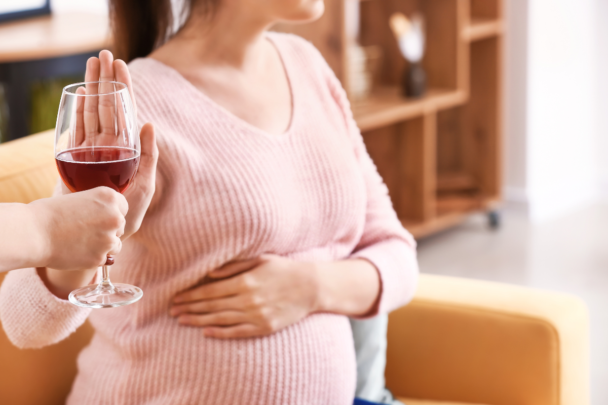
384,242
31,315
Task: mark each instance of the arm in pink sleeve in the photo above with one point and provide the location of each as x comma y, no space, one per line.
385,243
31,315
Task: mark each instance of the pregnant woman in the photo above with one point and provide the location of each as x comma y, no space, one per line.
270,224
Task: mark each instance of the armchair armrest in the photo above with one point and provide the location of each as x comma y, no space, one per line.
27,168
487,343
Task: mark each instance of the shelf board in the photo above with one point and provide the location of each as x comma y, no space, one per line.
458,202
451,211
482,28
439,223
53,36
386,106
455,182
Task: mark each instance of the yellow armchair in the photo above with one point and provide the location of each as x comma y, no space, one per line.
458,342
476,342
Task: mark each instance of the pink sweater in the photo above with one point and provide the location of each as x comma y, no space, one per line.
230,191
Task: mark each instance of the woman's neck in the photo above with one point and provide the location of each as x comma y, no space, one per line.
231,38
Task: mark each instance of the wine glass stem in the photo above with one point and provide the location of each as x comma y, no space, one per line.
105,275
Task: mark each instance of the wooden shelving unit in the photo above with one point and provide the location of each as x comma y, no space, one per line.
440,155
481,28
386,106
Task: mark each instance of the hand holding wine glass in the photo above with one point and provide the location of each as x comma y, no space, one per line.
97,144
68,232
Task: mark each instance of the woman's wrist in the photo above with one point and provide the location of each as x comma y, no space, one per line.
21,244
38,229
26,242
315,279
60,283
347,287
323,281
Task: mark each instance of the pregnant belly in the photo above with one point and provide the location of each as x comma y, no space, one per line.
312,362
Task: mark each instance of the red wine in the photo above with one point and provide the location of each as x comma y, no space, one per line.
86,168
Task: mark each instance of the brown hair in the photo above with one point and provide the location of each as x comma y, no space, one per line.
141,26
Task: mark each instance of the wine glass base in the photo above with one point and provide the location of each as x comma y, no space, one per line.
105,295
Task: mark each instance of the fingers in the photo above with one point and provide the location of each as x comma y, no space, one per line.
91,119
219,289
143,187
232,268
100,113
107,107
93,70
219,318
106,66
123,205
116,248
149,152
79,130
121,74
206,306
111,198
115,208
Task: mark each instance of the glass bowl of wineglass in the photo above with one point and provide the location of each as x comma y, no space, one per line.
97,144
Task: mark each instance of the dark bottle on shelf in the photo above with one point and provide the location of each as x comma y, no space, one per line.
413,83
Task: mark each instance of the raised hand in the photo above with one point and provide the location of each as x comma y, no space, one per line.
96,119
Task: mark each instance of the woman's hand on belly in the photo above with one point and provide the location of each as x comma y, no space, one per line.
249,298
260,296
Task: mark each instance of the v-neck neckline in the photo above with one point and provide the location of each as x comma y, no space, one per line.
233,117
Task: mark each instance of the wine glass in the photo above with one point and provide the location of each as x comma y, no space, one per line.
97,144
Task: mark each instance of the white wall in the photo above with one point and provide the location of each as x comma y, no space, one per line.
515,88
601,23
562,170
551,106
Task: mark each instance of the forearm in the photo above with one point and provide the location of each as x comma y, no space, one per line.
347,287
21,244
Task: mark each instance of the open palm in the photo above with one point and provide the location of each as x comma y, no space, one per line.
95,125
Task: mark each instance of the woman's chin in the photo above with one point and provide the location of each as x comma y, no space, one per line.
310,11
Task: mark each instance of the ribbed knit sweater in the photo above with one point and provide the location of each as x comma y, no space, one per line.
230,191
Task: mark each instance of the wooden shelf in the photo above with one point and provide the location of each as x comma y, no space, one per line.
482,28
439,155
423,229
53,36
386,106
455,182
458,202
451,210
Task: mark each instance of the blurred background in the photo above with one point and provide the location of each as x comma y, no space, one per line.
493,143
